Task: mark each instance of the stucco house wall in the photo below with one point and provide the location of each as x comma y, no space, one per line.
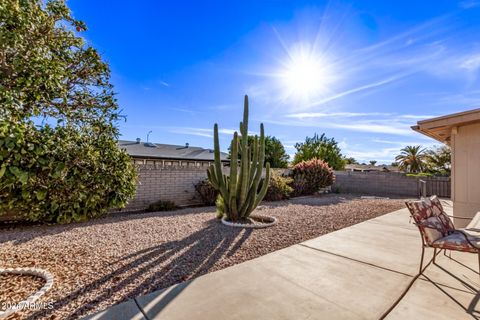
465,143
462,132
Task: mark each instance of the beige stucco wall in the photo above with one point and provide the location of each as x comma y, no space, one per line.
466,171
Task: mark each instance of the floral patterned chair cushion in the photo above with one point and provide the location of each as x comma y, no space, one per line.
432,229
430,207
437,210
430,218
458,242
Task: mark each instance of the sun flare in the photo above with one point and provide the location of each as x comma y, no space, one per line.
306,75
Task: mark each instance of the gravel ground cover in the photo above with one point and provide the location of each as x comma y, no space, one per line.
10,285
103,262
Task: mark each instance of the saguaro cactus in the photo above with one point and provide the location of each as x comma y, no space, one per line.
244,188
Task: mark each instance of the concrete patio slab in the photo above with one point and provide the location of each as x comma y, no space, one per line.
459,272
388,241
428,300
354,273
294,283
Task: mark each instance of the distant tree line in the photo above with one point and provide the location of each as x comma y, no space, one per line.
411,159
318,147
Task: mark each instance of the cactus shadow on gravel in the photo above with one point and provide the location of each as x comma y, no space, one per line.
175,262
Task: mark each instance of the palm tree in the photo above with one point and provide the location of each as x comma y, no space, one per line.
411,159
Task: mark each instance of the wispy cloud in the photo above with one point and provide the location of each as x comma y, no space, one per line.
417,116
304,115
373,122
382,155
376,149
421,140
349,92
184,110
373,127
165,84
192,131
202,132
471,62
468,4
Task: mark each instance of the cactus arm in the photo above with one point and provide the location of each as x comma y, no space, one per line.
216,153
233,177
245,150
264,189
256,179
245,117
222,188
211,176
254,161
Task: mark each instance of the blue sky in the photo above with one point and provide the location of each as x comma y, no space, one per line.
362,72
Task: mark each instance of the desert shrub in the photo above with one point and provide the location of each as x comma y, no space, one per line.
206,192
278,187
61,174
161,205
309,176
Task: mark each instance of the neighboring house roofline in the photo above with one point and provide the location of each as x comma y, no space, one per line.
143,150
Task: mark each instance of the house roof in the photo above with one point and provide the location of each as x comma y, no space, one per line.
441,128
367,167
168,151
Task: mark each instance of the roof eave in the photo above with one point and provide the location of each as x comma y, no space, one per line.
173,158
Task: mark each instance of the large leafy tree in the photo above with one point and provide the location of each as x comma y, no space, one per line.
411,159
274,152
320,147
439,160
58,152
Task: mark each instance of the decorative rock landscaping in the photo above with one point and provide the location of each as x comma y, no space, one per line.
253,222
103,262
19,305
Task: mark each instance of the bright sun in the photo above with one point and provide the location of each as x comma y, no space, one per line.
306,75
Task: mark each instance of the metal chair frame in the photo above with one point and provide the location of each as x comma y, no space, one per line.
425,245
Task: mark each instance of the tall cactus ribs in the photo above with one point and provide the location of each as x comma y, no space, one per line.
244,188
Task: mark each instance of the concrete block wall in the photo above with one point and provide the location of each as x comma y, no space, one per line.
176,183
173,183
376,183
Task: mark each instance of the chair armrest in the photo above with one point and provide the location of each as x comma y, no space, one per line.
459,217
463,233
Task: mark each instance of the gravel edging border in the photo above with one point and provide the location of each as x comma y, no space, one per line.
47,276
252,226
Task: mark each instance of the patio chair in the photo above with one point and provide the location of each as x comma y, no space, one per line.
438,231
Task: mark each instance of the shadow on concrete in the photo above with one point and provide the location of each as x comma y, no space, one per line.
470,309
181,260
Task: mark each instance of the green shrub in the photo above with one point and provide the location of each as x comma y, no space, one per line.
161,205
278,187
206,192
70,170
421,174
61,174
309,176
